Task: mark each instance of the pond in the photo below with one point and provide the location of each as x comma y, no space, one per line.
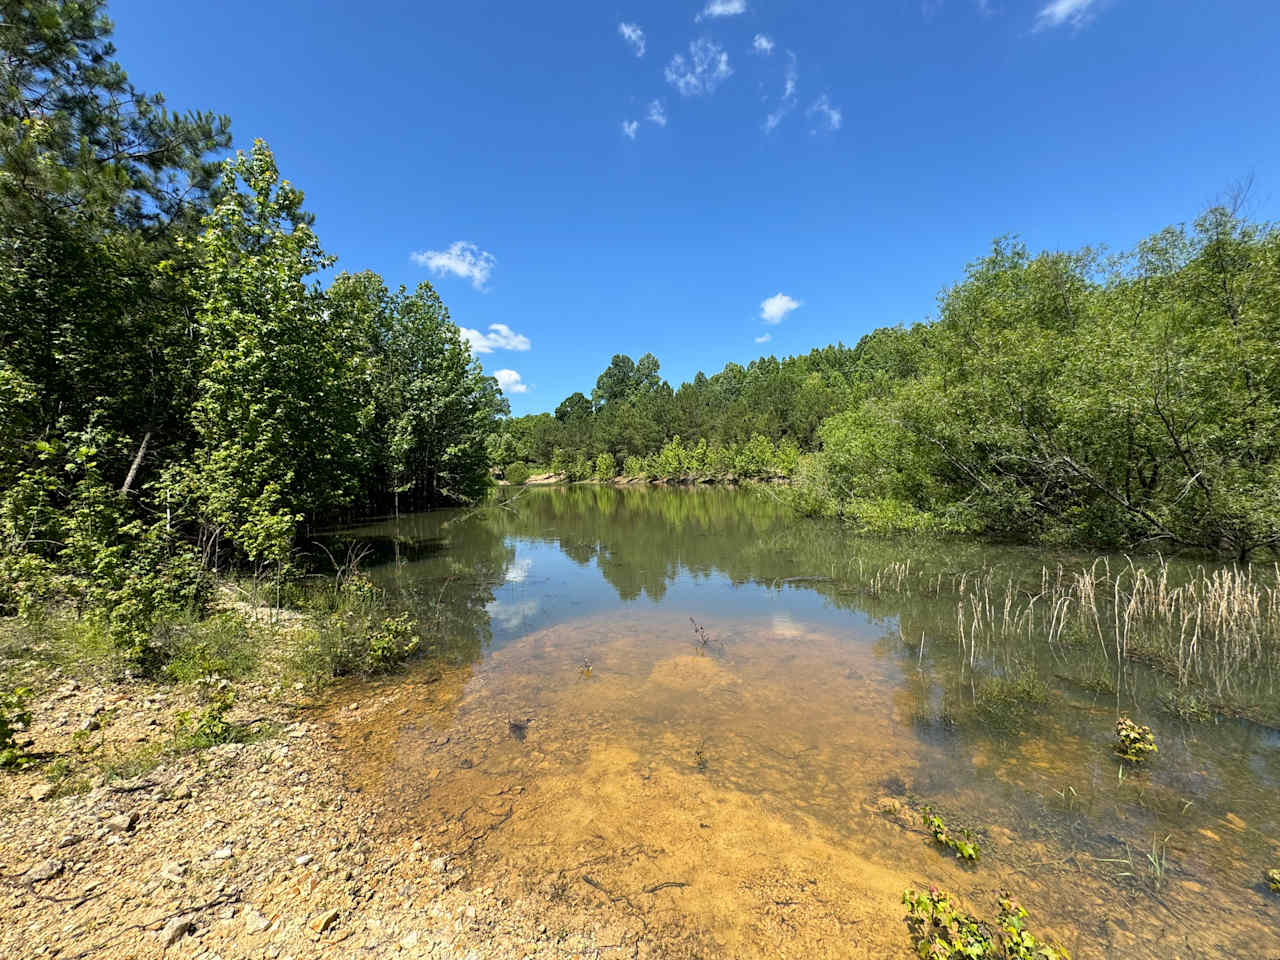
716,727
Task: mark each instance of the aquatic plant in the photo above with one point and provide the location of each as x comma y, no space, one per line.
1157,860
1217,628
943,931
965,847
1273,880
700,761
1133,741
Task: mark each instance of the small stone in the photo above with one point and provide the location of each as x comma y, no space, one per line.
44,870
70,840
323,921
303,860
123,822
439,864
175,930
254,922
223,853
470,913
173,871
41,791
410,941
180,793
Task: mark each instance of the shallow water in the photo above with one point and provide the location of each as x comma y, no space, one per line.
754,789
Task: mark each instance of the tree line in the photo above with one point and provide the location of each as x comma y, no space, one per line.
179,391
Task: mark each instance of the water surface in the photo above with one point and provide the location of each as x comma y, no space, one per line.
681,711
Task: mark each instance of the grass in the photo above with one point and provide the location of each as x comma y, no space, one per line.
1211,630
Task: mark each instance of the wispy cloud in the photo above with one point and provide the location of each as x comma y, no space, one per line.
510,381
764,337
762,44
657,113
463,259
776,307
827,115
499,337
703,71
721,8
634,36
790,81
629,128
1062,12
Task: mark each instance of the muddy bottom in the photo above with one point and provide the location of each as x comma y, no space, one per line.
759,795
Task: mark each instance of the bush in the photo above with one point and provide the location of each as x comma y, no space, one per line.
516,473
606,467
633,466
14,715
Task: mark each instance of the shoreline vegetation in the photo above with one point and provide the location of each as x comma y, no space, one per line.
187,395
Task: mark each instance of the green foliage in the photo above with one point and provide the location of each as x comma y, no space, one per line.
941,930
14,715
1134,742
177,392
606,468
210,727
965,847
1273,880
633,466
1065,398
516,473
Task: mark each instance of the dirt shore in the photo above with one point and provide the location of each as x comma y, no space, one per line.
244,850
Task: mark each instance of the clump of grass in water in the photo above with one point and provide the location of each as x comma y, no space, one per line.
1134,742
941,930
1273,880
1217,628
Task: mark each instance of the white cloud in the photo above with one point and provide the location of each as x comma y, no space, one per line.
462,259
790,80
1059,12
702,72
762,44
629,128
510,381
499,337
657,113
721,8
634,36
518,572
776,307
830,116
764,337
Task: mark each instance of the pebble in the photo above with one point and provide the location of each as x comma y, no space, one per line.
41,791
44,870
175,930
123,822
254,922
323,921
303,860
223,853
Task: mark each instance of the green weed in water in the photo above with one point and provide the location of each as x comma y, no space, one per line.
1133,741
1273,880
941,930
965,847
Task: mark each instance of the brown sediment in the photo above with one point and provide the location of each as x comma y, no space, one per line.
734,804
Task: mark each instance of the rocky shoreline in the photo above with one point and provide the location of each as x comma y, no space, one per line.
244,850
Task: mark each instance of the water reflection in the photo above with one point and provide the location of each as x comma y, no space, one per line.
768,772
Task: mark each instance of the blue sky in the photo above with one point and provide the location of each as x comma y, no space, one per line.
828,167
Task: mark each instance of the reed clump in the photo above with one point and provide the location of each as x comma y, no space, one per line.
1217,628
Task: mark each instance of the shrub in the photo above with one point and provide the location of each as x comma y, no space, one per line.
14,715
516,473
633,466
606,467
